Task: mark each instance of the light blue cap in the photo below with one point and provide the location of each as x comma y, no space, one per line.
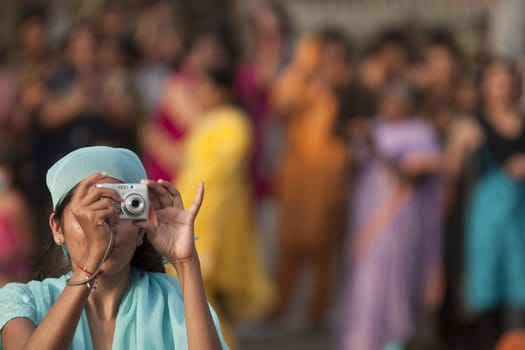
120,164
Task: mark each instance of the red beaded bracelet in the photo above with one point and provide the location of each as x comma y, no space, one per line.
94,275
85,270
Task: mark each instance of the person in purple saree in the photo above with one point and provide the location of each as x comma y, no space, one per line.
394,239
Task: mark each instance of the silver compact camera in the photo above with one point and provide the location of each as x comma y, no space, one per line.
135,205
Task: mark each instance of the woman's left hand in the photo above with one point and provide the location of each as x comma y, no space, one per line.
515,166
173,234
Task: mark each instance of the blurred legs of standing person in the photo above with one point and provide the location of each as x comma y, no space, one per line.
492,327
286,280
293,257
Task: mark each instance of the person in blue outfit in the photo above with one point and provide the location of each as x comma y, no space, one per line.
114,294
494,247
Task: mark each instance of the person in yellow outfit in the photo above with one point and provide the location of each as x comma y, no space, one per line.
217,151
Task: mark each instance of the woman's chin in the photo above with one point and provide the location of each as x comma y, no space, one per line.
115,263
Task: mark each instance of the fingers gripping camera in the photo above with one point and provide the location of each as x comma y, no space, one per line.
135,205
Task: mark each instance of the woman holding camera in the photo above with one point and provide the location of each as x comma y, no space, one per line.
114,294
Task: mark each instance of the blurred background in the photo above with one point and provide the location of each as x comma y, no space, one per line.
364,161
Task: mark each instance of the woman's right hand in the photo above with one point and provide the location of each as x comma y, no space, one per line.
95,211
466,135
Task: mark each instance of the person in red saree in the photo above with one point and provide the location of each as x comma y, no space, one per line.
163,133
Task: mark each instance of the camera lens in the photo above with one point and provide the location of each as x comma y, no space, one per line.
134,204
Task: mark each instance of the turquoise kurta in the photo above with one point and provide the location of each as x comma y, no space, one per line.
495,241
150,316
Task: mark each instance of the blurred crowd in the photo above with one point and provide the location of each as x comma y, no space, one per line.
396,166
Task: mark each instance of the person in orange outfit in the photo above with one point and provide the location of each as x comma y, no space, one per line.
311,177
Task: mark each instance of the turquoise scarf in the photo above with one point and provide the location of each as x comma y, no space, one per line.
150,316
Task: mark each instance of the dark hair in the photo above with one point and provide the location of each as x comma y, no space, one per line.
508,64
51,260
219,31
280,11
443,38
388,37
53,263
78,27
335,36
38,13
222,77
285,22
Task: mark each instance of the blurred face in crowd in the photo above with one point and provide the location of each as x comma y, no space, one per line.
466,95
394,104
81,49
147,34
156,35
207,51
266,21
109,54
334,64
206,92
209,94
33,36
307,54
498,84
113,21
394,57
440,64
